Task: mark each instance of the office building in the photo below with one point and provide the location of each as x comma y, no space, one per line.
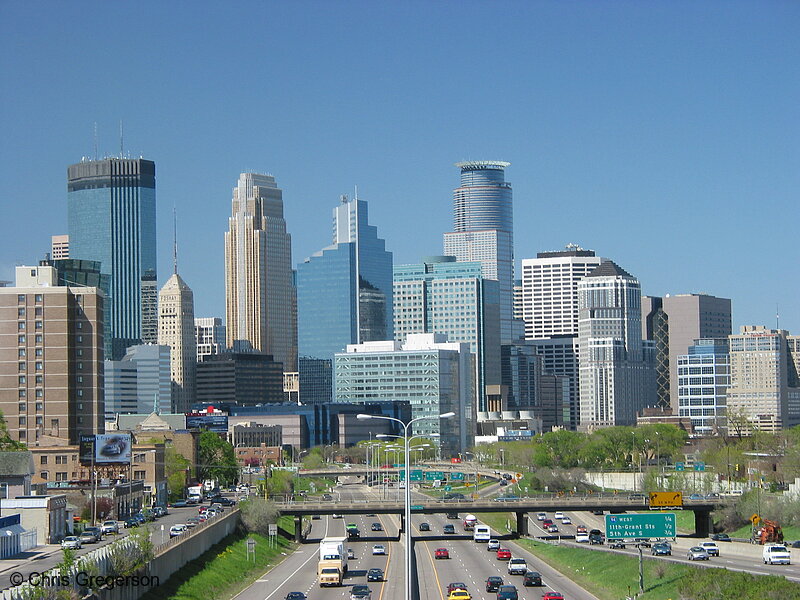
176,329
531,393
244,378
259,290
764,391
549,307
315,380
59,247
483,230
149,308
704,375
672,323
111,214
209,336
433,375
51,358
344,291
139,382
452,298
615,376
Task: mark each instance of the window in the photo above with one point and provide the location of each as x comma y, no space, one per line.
43,460
61,460
39,352
21,326
38,324
39,380
39,366
39,393
22,379
21,366
39,298
38,338
23,421
23,393
23,407
20,297
61,476
44,475
139,475
38,311
21,311
21,339
39,406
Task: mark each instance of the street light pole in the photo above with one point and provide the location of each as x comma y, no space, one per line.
407,511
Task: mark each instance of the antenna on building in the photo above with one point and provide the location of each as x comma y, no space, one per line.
777,318
95,140
356,196
121,140
175,239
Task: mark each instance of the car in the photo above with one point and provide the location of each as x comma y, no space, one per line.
327,497
532,578
350,554
503,483
541,516
559,515
493,583
553,596
595,537
777,554
441,553
87,537
661,549
713,496
517,566
336,516
795,544
177,530
696,497
295,596
507,498
581,537
379,549
132,522
360,592
546,523
553,528
180,504
507,592
493,545
459,595
616,544
203,510
566,521
371,515
72,542
454,496
424,526
109,527
503,554
375,575
377,527
353,534
456,585
711,548
723,537
598,512
643,542
193,521
452,515
697,553
315,517
449,528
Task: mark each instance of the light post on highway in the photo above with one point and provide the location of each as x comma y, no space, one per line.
408,484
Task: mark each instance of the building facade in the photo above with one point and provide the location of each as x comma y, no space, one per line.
432,375
209,336
452,298
614,372
259,290
244,378
483,230
59,247
111,215
140,382
51,358
176,329
764,389
704,375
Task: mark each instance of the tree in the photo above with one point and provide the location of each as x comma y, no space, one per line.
258,514
176,469
217,459
7,443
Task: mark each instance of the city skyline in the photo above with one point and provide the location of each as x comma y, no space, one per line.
659,136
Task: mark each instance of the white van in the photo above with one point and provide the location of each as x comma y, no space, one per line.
481,533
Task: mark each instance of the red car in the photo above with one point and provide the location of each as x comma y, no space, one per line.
546,523
553,596
442,553
458,585
503,554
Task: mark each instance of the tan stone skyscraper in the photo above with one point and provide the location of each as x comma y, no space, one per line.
259,288
176,330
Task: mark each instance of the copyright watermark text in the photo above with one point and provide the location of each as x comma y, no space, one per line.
85,580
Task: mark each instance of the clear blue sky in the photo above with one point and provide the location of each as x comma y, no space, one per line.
663,135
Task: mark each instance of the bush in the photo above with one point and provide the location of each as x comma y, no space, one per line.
258,514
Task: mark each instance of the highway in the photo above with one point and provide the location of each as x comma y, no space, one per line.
470,563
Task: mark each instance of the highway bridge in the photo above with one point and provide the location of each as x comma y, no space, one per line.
519,506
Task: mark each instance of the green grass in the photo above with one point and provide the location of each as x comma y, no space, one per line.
222,571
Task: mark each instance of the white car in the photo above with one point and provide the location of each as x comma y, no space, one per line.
559,515
777,554
378,549
566,521
493,545
541,516
177,530
582,537
711,548
71,542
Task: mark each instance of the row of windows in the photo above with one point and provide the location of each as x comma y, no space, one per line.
38,298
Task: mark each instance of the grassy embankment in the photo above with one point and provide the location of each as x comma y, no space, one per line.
224,570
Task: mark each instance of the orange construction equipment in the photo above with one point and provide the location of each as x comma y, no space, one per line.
769,532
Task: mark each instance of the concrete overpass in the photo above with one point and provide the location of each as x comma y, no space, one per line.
520,507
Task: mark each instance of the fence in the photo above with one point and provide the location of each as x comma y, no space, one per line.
11,545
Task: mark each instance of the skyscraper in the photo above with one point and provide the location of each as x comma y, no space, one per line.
111,214
614,373
259,290
176,329
59,247
210,336
483,230
140,382
344,291
441,295
704,375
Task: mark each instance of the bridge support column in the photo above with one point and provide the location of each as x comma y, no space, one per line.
402,523
298,528
522,524
702,523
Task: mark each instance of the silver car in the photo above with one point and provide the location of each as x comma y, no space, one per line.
71,542
697,553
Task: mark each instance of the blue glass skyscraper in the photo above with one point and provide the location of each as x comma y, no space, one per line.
344,291
111,214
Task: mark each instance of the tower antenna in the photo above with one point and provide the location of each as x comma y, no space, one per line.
121,140
777,318
95,140
356,193
175,239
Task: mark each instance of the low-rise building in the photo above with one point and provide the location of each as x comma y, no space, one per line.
46,514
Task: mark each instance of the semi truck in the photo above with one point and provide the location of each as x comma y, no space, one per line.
332,561
469,522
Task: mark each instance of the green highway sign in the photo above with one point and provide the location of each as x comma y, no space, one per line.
415,475
417,507
433,475
679,466
699,466
448,488
633,525
457,476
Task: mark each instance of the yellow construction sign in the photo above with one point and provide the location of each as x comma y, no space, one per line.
666,499
754,519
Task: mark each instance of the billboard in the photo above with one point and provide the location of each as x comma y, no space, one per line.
516,435
218,423
106,449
